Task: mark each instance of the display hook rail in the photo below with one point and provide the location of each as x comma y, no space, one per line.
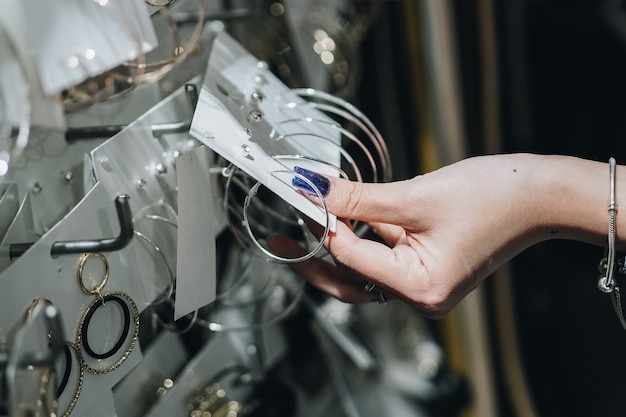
125,218
73,134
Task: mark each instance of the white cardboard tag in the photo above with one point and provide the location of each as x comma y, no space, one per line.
196,269
220,123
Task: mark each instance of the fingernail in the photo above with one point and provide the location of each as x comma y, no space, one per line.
322,183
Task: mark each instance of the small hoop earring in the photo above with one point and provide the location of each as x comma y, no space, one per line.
81,268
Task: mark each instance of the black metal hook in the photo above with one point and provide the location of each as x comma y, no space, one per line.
92,245
73,134
160,129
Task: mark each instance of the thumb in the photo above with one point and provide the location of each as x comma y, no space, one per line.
371,202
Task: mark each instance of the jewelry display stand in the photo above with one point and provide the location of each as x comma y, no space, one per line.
137,225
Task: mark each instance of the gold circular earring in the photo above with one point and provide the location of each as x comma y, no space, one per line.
129,312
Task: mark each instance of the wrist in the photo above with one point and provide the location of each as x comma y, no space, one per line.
573,199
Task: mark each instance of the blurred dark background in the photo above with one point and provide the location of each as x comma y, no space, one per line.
564,92
561,88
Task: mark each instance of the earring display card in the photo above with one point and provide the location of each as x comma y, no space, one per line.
241,115
196,273
76,39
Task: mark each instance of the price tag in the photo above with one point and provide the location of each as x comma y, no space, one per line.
196,269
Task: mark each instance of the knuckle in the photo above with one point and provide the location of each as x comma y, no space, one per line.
353,196
432,301
433,305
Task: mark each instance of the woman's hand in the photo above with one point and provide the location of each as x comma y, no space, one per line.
446,231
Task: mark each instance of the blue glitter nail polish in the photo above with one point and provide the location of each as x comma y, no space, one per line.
322,183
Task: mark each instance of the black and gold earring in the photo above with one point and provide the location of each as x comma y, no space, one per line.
73,375
102,362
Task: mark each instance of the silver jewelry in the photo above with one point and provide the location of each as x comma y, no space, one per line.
345,106
381,298
170,288
369,287
606,282
272,256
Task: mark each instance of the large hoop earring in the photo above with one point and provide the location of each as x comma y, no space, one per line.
272,256
345,109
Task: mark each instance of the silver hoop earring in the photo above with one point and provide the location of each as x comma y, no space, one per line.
272,256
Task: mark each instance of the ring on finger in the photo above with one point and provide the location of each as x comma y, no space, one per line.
369,287
381,298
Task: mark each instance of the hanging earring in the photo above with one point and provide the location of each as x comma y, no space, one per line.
128,309
270,255
73,373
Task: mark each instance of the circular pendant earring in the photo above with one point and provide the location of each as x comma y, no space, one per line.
116,305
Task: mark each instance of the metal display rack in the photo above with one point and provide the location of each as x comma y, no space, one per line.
108,185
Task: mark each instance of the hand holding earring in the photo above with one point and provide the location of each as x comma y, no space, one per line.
444,232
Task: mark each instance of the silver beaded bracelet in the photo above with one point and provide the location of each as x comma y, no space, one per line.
606,282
